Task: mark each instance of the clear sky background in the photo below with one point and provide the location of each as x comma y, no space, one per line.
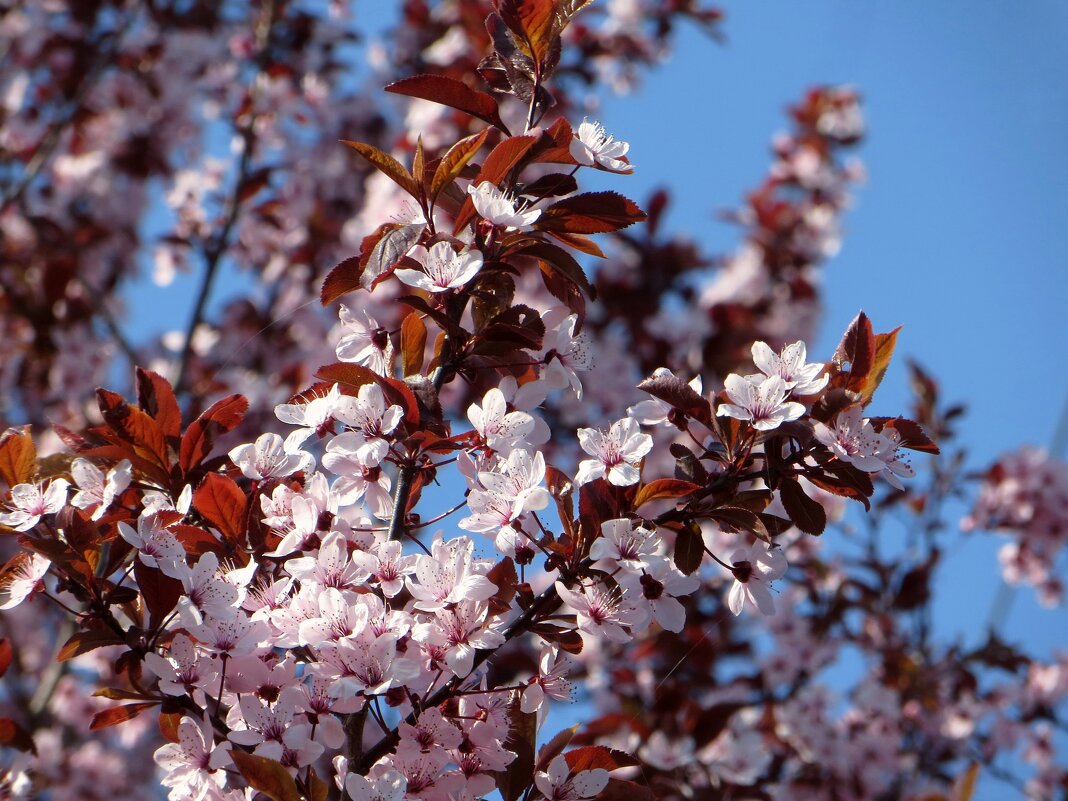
959,233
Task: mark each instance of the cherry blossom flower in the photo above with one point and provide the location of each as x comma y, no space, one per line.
390,785
443,268
23,577
192,765
565,352
623,546
894,463
448,575
370,421
272,457
754,570
551,681
557,784
183,670
330,567
365,342
801,378
592,145
660,584
313,417
498,208
387,565
761,403
431,732
29,504
95,490
338,617
499,428
157,545
356,478
368,667
461,630
852,439
616,453
601,612
666,753
206,592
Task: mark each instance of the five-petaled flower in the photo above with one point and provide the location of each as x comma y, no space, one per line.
498,208
801,378
557,784
762,403
592,145
616,453
443,268
754,570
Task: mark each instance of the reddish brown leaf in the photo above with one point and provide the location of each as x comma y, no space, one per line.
394,244
119,714
855,354
623,790
806,513
663,488
18,457
413,344
82,642
689,549
266,775
552,749
156,397
562,263
222,503
6,655
912,434
453,162
677,393
452,93
592,757
389,165
135,427
160,592
736,518
580,242
590,213
168,725
884,350
505,579
342,279
12,735
533,23
200,437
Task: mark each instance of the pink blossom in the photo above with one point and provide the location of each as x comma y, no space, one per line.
592,145
754,570
443,268
616,453
23,578
29,504
557,784
498,208
762,403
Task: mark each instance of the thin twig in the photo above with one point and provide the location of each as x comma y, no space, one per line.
218,244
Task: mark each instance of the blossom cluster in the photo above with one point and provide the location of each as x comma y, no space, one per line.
259,572
1025,496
